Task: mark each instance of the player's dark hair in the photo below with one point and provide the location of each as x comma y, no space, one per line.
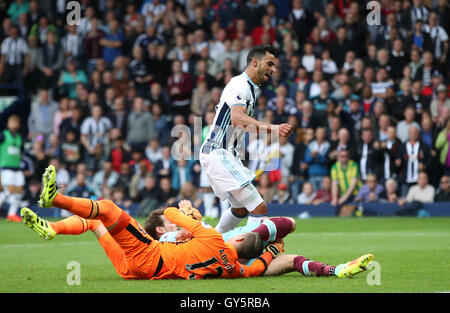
260,51
251,247
154,220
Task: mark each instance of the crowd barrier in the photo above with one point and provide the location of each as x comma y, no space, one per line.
301,210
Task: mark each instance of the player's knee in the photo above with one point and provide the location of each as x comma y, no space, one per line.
105,203
260,209
239,212
107,207
293,224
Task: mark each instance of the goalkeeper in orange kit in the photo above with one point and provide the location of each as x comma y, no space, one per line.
143,257
274,229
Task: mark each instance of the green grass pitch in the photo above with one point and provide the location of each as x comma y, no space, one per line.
413,256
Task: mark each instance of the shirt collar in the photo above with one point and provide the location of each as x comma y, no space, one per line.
251,82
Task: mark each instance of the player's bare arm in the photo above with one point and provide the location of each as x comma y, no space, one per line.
239,117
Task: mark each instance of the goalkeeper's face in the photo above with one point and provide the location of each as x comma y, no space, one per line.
168,226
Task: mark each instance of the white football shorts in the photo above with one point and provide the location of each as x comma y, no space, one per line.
230,179
12,178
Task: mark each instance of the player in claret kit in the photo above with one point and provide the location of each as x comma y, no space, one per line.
271,231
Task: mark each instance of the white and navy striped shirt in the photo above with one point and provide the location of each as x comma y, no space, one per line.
72,43
96,131
239,91
439,36
14,50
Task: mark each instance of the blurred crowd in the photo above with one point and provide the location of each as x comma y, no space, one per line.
370,102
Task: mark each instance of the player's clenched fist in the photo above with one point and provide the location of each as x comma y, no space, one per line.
185,207
285,129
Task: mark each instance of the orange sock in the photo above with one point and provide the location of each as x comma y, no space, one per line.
107,212
74,225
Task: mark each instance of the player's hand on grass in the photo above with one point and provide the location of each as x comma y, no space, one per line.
276,248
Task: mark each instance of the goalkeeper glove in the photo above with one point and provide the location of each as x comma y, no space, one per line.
275,248
191,212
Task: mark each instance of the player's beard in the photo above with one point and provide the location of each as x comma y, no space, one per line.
262,75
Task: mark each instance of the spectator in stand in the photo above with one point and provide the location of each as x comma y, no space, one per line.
345,180
333,20
51,61
266,188
140,72
72,123
342,143
307,195
81,189
302,21
340,46
166,194
40,121
105,177
306,116
93,48
413,158
443,193
70,77
282,194
316,158
370,156
119,115
120,198
370,191
70,150
390,193
439,37
323,100
141,125
14,58
125,176
94,131
179,87
405,125
323,195
417,196
153,151
119,154
439,102
390,148
182,171
112,42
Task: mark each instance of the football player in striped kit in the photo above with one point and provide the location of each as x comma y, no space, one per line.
221,153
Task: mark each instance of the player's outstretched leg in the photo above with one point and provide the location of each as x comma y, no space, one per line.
72,225
345,270
85,208
354,267
37,224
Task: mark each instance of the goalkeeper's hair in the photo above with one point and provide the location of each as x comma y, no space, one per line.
154,220
251,247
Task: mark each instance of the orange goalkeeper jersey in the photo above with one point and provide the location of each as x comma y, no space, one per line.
205,255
